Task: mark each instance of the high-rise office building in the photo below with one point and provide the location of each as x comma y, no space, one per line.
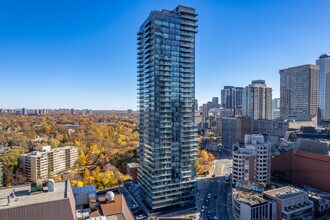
166,93
231,97
234,130
324,86
215,102
276,108
298,92
257,100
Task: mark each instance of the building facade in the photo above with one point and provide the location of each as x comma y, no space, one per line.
303,167
324,86
166,94
251,205
276,108
234,130
257,100
231,97
298,92
252,162
291,203
42,164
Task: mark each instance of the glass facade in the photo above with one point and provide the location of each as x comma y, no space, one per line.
323,87
166,99
231,97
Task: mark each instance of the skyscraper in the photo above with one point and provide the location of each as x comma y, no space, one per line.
298,92
196,105
276,108
215,102
166,93
231,97
324,86
257,100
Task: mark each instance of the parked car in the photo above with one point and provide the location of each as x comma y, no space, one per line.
209,196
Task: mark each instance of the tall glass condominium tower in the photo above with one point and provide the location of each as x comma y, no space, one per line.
166,95
324,86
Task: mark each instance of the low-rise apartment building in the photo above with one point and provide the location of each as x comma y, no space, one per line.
48,162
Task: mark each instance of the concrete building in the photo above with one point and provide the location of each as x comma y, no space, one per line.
298,92
22,202
257,100
274,130
35,165
234,130
196,105
131,169
42,164
166,95
291,203
324,86
252,162
248,204
231,97
198,118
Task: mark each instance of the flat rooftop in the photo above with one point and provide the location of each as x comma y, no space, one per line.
285,192
248,197
24,197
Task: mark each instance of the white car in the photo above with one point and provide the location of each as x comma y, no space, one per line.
203,208
209,196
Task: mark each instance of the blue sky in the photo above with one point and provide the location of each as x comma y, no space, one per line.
82,54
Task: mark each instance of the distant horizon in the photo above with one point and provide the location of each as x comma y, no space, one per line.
55,55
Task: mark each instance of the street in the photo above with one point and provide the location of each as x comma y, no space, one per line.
220,203
218,188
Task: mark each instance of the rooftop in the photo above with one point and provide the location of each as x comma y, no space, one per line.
132,165
285,192
248,197
24,197
324,56
117,208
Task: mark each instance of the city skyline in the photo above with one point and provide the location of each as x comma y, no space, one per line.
86,58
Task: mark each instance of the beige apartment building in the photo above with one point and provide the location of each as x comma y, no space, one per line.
257,100
252,162
48,162
299,92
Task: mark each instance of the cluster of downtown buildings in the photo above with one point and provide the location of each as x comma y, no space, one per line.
248,121
286,138
169,113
